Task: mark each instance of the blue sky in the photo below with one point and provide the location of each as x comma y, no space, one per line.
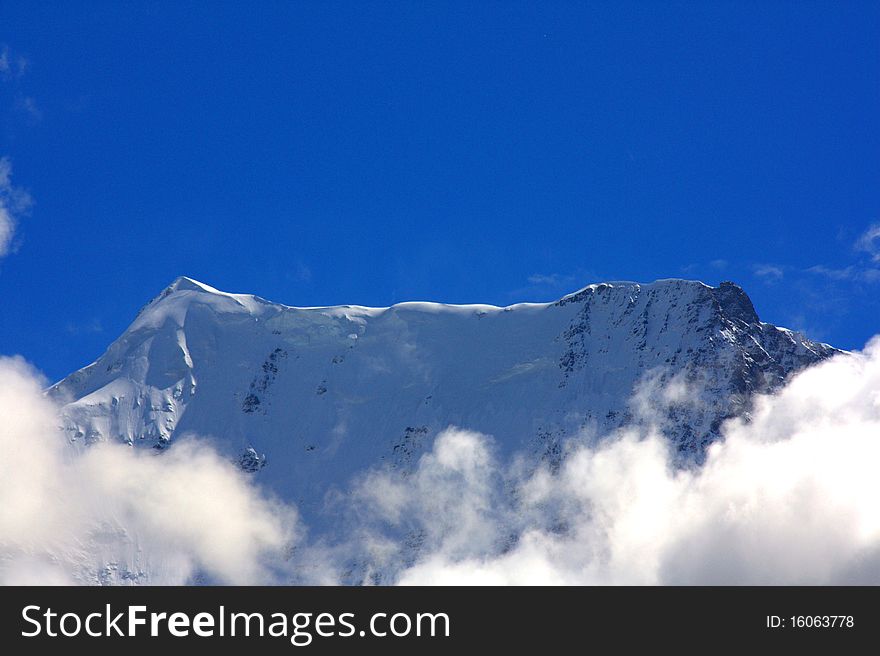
322,153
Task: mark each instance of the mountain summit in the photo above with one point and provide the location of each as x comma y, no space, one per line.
307,397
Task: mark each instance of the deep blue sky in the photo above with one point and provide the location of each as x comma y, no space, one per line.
321,153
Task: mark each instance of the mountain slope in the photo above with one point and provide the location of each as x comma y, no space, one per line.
308,397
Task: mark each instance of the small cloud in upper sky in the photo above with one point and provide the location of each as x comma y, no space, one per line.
11,65
552,279
301,272
544,286
851,273
28,106
92,326
696,268
869,242
864,271
769,272
14,201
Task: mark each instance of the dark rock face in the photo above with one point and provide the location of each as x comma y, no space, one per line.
734,303
263,380
708,339
251,461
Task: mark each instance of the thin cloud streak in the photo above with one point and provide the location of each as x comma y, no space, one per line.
12,66
869,242
14,202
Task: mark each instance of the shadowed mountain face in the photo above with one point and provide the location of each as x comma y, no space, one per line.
307,397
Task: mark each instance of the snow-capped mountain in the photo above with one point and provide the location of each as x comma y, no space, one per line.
307,397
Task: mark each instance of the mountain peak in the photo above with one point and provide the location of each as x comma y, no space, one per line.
185,283
734,302
177,298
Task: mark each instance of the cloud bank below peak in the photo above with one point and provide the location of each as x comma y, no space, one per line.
108,514
788,497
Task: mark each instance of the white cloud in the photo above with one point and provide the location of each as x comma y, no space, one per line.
302,272
451,501
92,326
111,513
851,273
553,279
769,272
789,498
861,270
869,242
28,106
14,201
554,283
11,66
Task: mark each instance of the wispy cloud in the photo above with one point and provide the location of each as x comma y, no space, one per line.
860,269
545,286
717,266
769,272
787,498
12,66
14,202
556,281
852,273
302,272
551,279
93,326
869,242
28,106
